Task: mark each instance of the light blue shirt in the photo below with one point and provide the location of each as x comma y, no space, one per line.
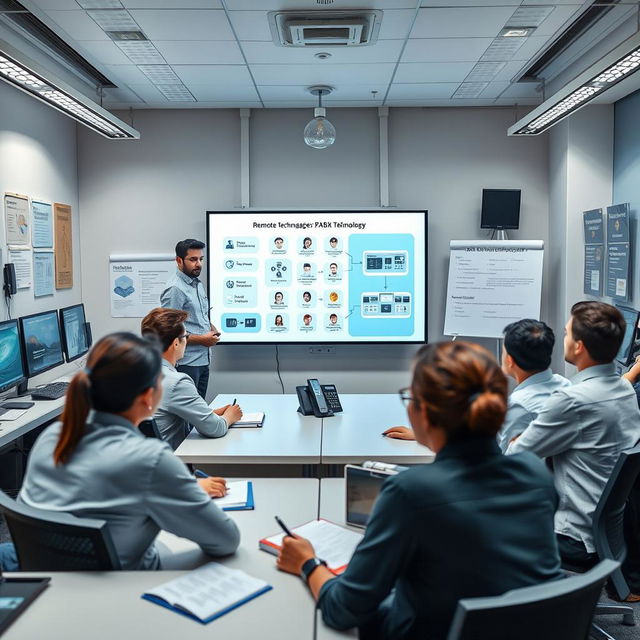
584,428
188,294
182,407
134,483
525,403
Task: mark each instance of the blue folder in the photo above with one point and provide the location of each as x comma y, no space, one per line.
249,506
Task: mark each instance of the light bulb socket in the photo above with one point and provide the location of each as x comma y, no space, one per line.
319,112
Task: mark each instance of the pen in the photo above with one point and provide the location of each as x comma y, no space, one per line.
234,400
284,527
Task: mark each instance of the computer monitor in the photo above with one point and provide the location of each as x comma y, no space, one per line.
75,341
632,318
41,342
500,209
11,365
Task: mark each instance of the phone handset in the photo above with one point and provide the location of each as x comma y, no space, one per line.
317,397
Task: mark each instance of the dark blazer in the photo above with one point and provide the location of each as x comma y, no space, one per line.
472,523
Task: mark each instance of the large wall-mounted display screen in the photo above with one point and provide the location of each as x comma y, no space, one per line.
318,276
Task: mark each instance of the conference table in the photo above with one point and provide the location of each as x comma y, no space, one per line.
287,437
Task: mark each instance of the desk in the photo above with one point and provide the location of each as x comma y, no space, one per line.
107,605
286,437
355,435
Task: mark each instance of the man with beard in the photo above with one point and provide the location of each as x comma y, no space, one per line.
185,292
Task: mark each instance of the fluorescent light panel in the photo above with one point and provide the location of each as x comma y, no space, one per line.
113,19
614,67
62,97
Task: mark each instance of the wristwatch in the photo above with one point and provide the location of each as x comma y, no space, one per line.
310,566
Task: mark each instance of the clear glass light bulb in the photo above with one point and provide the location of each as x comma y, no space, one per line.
319,132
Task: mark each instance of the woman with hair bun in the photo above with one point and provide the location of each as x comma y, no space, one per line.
96,464
472,523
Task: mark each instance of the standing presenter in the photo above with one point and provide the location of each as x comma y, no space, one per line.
186,292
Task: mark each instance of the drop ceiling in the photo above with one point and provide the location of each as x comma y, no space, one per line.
220,53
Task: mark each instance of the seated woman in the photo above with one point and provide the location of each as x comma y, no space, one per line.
472,523
181,406
97,464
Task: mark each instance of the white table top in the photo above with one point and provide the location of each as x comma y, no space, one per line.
104,606
355,435
286,437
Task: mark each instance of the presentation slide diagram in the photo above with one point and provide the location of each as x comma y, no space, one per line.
318,276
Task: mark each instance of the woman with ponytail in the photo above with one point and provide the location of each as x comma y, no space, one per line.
96,464
473,523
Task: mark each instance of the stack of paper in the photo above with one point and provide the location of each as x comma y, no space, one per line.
208,592
250,420
239,497
334,544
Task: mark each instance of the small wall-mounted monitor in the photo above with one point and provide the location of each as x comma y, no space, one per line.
11,366
41,342
500,209
627,349
74,332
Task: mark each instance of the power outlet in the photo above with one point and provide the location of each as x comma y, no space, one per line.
322,351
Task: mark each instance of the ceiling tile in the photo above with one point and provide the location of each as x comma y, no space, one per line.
216,92
433,72
439,103
530,48
172,4
483,22
126,74
251,25
199,52
56,5
509,72
147,92
326,74
200,74
288,5
191,24
121,94
269,53
104,52
556,20
298,93
396,24
445,49
78,25
478,3
422,91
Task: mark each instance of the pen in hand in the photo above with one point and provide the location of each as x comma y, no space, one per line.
284,527
234,402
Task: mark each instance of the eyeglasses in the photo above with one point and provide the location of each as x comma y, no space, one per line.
405,396
184,336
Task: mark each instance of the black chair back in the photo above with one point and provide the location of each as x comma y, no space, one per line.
608,518
558,610
149,429
52,541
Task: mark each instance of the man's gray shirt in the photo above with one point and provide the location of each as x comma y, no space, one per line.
134,483
188,294
182,407
584,428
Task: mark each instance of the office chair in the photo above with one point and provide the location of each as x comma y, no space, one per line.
558,610
52,541
149,428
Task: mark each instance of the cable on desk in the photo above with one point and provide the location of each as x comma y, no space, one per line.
278,368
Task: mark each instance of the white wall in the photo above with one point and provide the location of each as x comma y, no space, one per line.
38,159
143,196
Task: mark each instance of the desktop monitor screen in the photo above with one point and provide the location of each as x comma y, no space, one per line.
11,365
74,332
632,318
500,209
301,277
41,341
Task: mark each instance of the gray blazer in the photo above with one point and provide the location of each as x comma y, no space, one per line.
182,408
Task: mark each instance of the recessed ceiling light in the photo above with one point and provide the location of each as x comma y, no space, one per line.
516,32
322,55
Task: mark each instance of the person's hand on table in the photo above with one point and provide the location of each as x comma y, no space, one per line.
399,433
634,373
220,410
294,553
232,413
215,487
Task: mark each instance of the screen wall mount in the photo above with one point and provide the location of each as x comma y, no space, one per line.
318,277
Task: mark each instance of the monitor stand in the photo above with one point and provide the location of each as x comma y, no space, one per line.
21,391
499,234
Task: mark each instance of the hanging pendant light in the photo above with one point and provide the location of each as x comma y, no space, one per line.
319,132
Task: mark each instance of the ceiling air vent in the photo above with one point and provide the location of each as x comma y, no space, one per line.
324,28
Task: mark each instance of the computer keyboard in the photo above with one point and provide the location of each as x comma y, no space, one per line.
51,391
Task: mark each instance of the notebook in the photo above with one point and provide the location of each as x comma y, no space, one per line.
239,497
207,593
250,420
334,544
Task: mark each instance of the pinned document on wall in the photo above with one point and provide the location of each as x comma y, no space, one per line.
593,222
42,225
63,246
137,281
491,284
618,252
21,259
43,269
16,219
